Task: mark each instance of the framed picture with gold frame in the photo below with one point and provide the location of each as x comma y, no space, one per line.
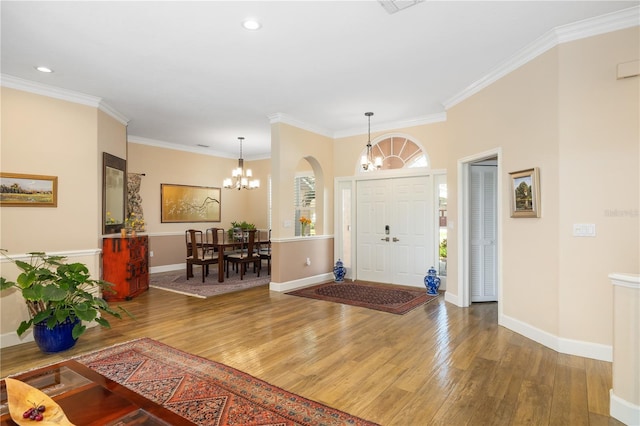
185,203
23,190
525,193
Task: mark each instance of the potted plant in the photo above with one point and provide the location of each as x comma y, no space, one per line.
59,297
238,230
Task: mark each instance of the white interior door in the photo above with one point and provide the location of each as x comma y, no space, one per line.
395,238
482,233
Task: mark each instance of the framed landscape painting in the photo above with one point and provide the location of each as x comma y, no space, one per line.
185,203
21,190
525,193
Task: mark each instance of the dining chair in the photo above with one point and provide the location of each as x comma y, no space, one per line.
212,237
244,257
265,250
196,254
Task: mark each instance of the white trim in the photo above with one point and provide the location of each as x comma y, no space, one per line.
12,339
62,94
193,149
464,298
623,410
625,280
558,344
280,117
300,238
167,268
303,282
67,254
587,28
394,125
451,298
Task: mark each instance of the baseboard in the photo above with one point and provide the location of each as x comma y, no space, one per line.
451,298
167,268
12,339
304,282
623,410
559,344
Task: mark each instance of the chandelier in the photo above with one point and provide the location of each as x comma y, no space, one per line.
241,178
367,161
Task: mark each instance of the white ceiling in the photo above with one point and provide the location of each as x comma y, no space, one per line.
187,73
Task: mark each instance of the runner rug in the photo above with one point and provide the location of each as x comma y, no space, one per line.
207,392
382,297
176,282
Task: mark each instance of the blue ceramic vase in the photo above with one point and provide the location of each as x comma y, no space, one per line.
432,282
339,271
56,339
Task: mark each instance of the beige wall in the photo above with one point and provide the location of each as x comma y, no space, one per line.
47,136
565,113
162,165
599,152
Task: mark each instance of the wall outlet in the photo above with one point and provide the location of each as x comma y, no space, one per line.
584,229
308,262
151,253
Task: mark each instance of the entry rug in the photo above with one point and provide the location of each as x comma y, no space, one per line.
207,392
176,282
382,297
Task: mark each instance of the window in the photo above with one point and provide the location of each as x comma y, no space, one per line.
305,203
399,152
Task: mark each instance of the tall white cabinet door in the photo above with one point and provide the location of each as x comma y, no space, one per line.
404,206
373,214
482,233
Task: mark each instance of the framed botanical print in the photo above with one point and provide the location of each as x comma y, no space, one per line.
525,193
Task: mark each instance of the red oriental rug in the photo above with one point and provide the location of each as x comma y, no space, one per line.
206,392
391,298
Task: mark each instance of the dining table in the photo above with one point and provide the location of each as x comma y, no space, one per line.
230,244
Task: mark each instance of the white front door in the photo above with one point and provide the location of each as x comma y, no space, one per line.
395,238
482,233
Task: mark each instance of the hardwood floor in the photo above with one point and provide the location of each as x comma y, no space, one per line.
436,365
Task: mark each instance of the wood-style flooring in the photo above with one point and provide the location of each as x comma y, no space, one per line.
436,365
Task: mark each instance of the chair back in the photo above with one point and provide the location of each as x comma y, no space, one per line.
251,242
213,237
194,242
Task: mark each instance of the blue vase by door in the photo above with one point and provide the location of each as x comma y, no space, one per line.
57,339
432,282
339,271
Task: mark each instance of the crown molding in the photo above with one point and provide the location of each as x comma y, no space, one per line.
615,21
193,149
395,125
176,147
62,94
280,117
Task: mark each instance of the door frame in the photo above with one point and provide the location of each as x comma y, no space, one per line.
386,174
464,285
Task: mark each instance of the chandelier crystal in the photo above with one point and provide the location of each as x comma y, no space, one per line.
367,161
241,178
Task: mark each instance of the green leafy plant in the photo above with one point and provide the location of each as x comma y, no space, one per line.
56,291
443,248
245,226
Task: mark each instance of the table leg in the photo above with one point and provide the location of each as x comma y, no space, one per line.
221,263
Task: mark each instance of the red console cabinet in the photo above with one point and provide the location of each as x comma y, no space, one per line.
125,264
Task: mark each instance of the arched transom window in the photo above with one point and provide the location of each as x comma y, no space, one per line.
399,152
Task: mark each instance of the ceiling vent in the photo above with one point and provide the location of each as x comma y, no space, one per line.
393,6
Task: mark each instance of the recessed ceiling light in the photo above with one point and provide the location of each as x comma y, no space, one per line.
44,69
251,24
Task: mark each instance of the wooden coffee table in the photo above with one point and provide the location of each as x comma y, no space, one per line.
89,399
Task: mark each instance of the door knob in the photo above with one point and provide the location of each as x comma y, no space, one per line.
395,240
385,239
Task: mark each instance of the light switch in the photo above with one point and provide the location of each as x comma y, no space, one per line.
584,229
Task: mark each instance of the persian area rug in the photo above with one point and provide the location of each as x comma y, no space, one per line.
381,297
206,392
176,281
